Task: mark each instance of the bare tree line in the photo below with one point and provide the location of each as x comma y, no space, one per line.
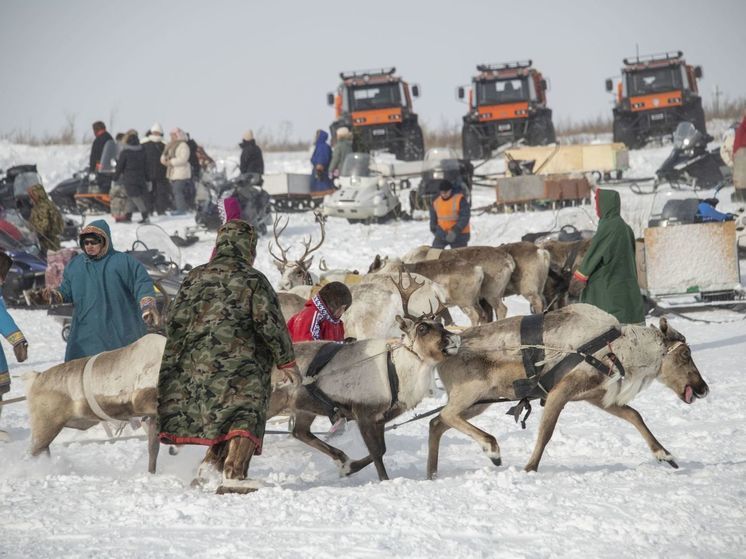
283,138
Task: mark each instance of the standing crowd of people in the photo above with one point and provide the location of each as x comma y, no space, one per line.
147,175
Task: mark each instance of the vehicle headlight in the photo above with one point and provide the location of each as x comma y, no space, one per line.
378,199
685,142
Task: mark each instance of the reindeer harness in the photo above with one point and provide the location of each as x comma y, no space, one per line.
538,382
322,358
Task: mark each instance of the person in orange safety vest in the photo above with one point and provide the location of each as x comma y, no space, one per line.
449,218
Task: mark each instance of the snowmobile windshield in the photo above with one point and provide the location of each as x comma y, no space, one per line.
154,237
15,233
357,165
686,135
109,157
376,96
495,92
23,182
654,80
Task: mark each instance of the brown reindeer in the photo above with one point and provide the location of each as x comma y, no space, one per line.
489,361
359,380
461,280
497,266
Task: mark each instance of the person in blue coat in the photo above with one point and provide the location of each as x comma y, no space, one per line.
10,332
321,158
112,294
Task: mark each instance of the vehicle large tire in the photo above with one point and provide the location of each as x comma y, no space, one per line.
470,144
414,145
624,134
541,132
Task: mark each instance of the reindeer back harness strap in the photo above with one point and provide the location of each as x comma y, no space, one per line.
90,397
538,383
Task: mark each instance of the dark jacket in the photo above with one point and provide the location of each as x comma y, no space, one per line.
154,169
609,266
322,155
251,158
131,167
193,159
107,293
97,149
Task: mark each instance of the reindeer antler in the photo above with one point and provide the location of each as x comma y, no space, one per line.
307,243
277,234
407,293
434,315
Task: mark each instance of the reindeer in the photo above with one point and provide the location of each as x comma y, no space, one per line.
361,378
527,277
490,361
296,272
116,385
290,304
461,280
376,302
497,265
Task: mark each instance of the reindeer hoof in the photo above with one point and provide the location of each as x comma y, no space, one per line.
664,456
497,461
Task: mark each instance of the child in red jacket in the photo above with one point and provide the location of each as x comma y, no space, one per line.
320,317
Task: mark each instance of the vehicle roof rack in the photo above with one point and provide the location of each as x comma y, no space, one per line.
504,66
361,73
670,55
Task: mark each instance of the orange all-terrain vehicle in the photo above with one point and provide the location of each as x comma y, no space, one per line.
656,92
507,103
376,106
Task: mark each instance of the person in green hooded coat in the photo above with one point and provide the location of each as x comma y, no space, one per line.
45,219
111,292
607,276
225,331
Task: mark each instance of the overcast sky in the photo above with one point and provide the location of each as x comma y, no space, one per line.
216,68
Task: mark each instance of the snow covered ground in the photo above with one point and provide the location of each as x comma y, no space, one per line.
598,493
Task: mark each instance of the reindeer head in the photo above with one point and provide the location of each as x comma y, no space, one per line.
678,371
426,335
294,272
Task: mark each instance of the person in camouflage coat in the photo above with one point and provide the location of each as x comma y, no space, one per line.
45,219
225,332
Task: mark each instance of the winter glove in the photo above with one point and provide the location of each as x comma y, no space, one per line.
150,314
576,286
48,295
151,317
451,236
21,351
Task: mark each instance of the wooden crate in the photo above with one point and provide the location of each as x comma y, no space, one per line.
576,158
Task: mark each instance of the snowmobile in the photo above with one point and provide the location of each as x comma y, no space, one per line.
364,194
255,202
690,162
20,243
14,187
80,194
155,250
441,163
